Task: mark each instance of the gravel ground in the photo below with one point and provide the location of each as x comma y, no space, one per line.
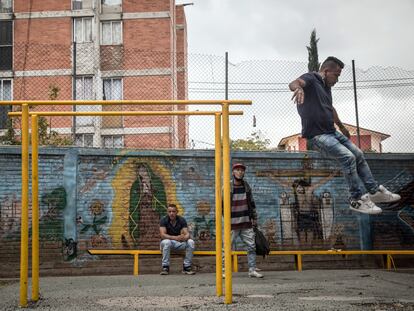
281,290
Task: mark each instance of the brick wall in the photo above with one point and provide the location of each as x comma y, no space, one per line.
109,199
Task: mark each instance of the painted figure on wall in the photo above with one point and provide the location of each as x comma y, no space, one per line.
95,225
50,224
148,203
304,215
204,223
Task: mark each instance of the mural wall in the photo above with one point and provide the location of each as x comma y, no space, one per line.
95,199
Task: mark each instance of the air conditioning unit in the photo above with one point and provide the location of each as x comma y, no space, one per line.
77,5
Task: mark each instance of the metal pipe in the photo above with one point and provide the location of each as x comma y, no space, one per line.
227,207
24,237
35,210
119,113
356,103
126,102
219,239
74,97
226,93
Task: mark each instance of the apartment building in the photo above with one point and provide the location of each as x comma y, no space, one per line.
103,50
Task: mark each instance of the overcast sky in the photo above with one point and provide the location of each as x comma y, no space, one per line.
373,32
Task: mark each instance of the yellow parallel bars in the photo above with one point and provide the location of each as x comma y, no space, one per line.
24,238
25,183
35,210
219,240
227,208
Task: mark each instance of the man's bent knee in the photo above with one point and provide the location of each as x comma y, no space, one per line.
165,243
190,244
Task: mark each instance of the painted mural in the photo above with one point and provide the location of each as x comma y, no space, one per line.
148,203
119,200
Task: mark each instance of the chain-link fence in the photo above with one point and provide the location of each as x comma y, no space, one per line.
63,72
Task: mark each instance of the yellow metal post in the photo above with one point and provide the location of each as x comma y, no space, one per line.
389,257
24,238
227,207
219,240
235,263
136,264
35,211
299,262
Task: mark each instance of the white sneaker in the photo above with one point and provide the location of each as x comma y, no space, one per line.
383,195
254,274
365,206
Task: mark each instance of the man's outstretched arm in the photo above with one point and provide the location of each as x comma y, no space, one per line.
296,86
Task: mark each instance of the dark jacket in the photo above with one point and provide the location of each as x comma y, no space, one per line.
250,201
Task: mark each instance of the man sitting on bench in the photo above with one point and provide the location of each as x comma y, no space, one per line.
174,235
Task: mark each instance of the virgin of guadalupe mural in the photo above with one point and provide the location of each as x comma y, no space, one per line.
148,203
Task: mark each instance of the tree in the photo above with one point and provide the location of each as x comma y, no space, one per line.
51,137
256,142
10,137
313,62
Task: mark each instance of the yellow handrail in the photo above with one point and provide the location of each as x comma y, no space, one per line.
124,102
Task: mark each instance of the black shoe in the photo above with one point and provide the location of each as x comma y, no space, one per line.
165,271
188,270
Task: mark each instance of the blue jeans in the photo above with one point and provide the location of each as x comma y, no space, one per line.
248,238
354,166
167,245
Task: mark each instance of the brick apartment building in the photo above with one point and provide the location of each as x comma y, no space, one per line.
98,49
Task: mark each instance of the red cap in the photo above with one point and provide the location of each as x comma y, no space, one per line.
236,165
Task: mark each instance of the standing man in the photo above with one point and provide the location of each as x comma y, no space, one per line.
243,216
174,234
312,94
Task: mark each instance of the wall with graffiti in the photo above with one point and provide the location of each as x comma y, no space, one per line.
95,199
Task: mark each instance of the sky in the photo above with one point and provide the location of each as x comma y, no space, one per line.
266,41
372,32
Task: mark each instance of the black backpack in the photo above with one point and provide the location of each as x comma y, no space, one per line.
262,244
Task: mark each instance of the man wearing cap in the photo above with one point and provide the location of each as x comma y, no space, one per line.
243,216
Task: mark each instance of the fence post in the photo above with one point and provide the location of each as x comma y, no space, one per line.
356,103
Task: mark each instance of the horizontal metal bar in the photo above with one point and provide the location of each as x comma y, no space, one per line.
122,113
124,102
305,252
139,252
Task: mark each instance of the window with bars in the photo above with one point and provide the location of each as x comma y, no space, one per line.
83,29
111,33
84,140
113,141
6,45
5,94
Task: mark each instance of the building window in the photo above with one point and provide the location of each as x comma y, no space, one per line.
84,91
6,44
84,140
6,6
112,90
111,2
81,4
111,33
5,94
83,30
113,141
